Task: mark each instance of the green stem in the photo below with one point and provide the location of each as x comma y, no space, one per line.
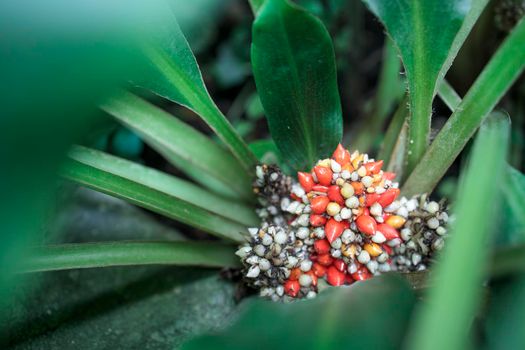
447,93
392,132
87,255
495,79
389,90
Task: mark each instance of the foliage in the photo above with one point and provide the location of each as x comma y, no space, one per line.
55,75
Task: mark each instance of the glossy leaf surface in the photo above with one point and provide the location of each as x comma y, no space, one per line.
295,73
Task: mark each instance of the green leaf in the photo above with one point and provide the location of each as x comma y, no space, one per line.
155,191
495,79
512,221
176,140
508,260
175,75
86,255
424,32
356,316
460,272
295,74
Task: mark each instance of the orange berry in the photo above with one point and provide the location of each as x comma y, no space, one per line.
373,167
333,229
317,220
334,193
335,277
341,155
388,231
292,288
388,197
395,221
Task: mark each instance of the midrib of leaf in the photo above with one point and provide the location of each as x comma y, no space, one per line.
295,74
199,101
421,98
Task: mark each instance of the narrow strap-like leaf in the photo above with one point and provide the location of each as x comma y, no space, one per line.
295,74
178,141
495,79
88,255
460,271
152,190
447,93
174,74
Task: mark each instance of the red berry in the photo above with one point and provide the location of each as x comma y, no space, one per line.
388,197
317,220
325,259
320,188
318,204
306,180
292,288
341,155
324,175
334,194
366,224
322,246
349,279
339,264
335,277
388,231
373,167
371,198
318,269
333,229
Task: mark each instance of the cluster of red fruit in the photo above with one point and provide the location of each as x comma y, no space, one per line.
347,196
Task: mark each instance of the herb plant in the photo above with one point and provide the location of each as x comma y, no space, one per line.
294,66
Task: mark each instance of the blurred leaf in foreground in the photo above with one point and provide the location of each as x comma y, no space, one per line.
372,314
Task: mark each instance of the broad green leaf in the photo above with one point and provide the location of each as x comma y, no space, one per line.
461,268
174,74
154,190
176,140
508,260
295,74
424,32
495,79
86,255
361,316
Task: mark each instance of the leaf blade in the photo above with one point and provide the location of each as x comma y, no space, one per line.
459,276
137,185
176,140
424,32
174,74
89,255
496,78
300,97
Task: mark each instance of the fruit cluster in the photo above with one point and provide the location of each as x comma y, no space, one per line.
342,224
